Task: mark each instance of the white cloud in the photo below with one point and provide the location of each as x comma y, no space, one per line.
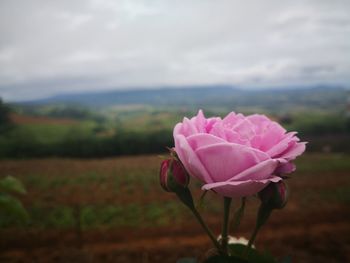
47,47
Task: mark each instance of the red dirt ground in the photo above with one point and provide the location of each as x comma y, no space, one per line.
311,228
319,237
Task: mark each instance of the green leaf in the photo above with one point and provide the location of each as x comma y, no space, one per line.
12,206
11,184
287,259
251,256
186,260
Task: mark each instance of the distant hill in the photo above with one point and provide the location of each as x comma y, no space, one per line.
160,96
209,96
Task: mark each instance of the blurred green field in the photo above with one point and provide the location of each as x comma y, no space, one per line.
125,191
144,130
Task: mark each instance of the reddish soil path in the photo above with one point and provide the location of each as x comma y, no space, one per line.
322,236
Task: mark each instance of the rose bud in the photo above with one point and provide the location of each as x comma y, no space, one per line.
173,175
275,195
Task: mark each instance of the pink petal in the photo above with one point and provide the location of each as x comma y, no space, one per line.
239,189
177,129
232,119
210,123
273,134
190,160
188,127
260,171
234,137
258,119
245,128
256,141
282,145
203,139
200,121
218,130
285,168
294,151
260,122
223,161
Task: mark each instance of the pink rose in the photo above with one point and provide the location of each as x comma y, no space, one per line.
236,156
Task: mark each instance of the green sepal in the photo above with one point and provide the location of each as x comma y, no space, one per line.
184,194
171,183
238,215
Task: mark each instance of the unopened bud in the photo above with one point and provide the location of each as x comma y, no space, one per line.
173,175
275,195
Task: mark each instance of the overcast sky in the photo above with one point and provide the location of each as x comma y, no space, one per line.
50,47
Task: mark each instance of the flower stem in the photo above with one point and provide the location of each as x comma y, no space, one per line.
253,236
238,215
184,194
224,235
263,214
206,229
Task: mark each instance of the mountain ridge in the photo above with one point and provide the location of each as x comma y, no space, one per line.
212,95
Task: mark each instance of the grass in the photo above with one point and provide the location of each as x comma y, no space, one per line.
125,191
53,133
92,216
317,163
340,195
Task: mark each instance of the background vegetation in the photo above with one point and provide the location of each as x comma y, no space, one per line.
85,128
112,209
